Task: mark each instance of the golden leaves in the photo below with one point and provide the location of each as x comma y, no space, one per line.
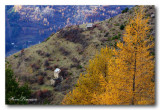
120,77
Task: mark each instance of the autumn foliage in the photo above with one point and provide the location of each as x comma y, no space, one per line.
92,81
123,76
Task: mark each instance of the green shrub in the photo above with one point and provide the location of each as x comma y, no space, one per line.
15,56
109,20
125,22
119,34
122,27
106,34
109,38
79,67
152,53
46,102
115,37
117,24
47,38
115,44
110,44
76,85
130,12
13,90
112,29
125,10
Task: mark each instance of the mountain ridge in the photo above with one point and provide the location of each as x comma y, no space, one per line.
25,23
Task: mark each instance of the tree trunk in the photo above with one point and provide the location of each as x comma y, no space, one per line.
134,79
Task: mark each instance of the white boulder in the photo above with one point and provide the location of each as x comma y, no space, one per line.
152,15
56,72
52,82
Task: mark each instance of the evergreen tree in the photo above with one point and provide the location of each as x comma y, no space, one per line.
15,94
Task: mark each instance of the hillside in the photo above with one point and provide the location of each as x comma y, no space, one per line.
28,25
70,50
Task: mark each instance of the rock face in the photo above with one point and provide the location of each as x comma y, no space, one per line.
52,82
69,50
152,15
56,81
56,72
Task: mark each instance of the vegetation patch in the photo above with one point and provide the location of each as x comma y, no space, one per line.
15,56
117,24
14,90
125,10
115,37
122,27
74,35
64,51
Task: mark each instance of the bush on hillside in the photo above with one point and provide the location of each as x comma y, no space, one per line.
64,72
35,66
122,27
75,60
106,35
73,35
115,37
64,51
40,80
46,63
47,54
125,10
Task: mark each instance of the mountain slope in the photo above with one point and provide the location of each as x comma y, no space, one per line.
70,50
27,25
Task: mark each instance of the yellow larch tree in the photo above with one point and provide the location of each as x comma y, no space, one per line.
130,73
93,81
123,76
